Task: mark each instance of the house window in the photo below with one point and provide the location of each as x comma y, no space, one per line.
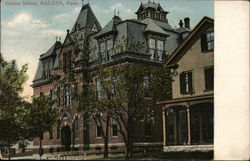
77,127
186,84
209,79
114,127
156,49
98,127
148,129
109,49
68,95
146,86
152,48
207,42
67,61
106,49
50,135
47,66
160,50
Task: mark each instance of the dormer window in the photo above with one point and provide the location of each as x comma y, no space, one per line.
106,50
156,49
47,69
67,61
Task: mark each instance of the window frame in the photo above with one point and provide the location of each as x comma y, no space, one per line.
205,41
155,51
184,91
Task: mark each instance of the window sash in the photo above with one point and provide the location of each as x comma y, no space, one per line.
186,82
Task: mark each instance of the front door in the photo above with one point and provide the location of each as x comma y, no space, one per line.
66,138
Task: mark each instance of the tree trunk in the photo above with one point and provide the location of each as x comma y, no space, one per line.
106,139
130,137
40,147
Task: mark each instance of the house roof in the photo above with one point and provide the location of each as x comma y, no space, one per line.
178,52
50,52
39,71
86,19
110,27
153,27
183,29
164,25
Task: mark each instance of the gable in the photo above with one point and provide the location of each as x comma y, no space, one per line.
205,24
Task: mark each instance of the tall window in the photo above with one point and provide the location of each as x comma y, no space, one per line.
102,50
109,49
58,95
209,78
156,49
67,61
186,84
77,127
47,68
152,48
114,127
207,41
106,49
68,95
98,127
161,49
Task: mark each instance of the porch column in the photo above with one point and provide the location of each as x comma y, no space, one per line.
164,126
189,125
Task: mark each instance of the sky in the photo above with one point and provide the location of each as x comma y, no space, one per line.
30,27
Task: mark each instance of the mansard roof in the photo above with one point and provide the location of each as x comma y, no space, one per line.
206,22
153,27
86,19
150,5
110,27
52,49
39,71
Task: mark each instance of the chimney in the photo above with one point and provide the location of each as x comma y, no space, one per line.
68,31
181,24
187,22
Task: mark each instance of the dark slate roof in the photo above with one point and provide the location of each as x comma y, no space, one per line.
153,27
150,5
50,52
39,71
86,19
164,25
68,40
183,29
54,50
56,62
179,51
110,27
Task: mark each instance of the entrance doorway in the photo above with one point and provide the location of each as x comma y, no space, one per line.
66,138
